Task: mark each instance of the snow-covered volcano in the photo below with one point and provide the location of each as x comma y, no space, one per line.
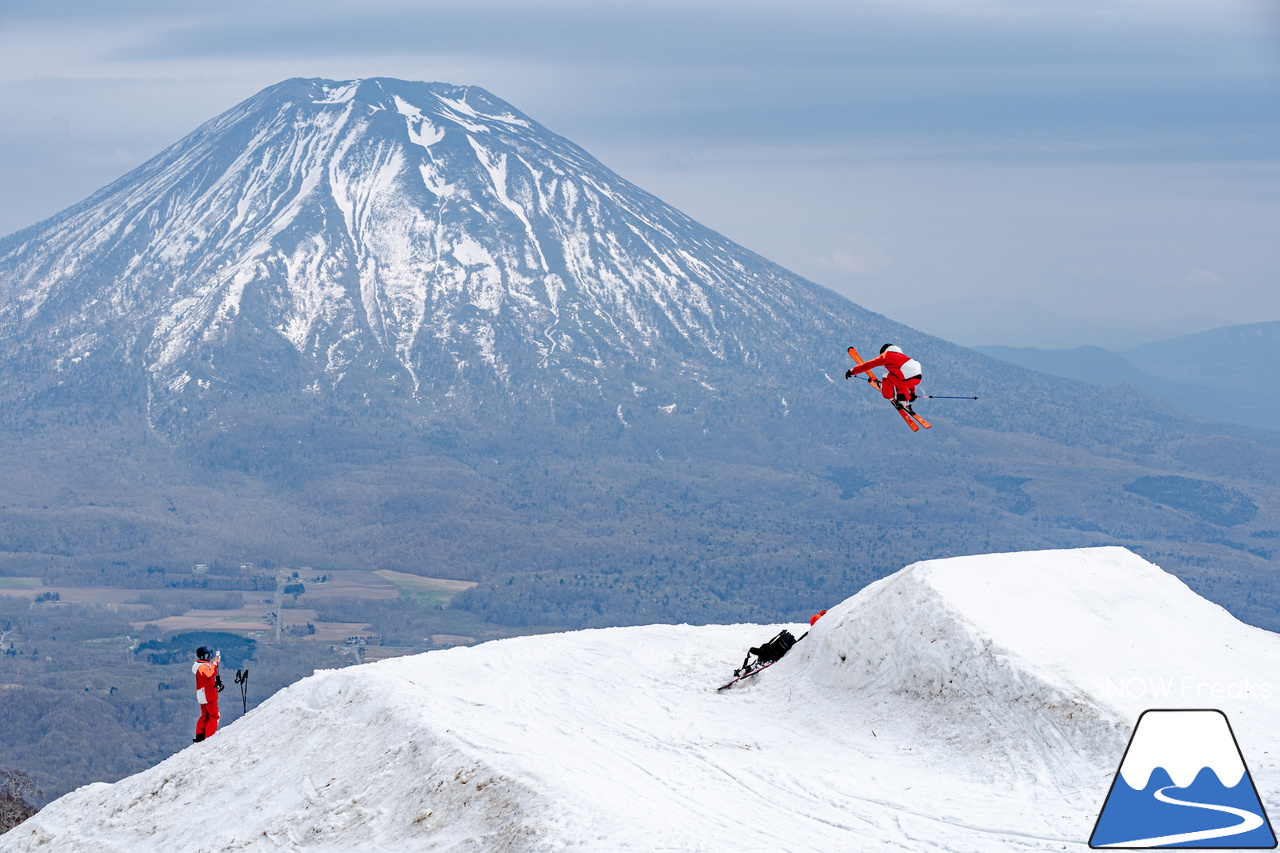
424,240
975,704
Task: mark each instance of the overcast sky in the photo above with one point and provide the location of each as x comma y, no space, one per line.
1118,157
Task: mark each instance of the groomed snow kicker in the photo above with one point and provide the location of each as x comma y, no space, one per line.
973,704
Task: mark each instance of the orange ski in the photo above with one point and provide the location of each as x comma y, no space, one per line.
913,414
906,417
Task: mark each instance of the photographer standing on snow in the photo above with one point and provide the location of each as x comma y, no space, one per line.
208,683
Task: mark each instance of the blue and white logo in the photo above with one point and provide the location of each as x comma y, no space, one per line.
1183,783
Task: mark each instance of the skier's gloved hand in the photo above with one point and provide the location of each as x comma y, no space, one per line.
848,374
217,682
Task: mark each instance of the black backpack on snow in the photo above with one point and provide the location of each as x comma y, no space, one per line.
774,649
766,654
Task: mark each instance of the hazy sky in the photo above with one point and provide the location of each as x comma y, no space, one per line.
1119,157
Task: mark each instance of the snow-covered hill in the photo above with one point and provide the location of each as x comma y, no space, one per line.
971,704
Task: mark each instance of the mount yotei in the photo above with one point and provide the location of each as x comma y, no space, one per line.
383,239
403,326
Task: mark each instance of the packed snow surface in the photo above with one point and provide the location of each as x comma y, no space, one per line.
970,704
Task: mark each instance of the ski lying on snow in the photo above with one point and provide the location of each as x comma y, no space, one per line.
902,410
746,675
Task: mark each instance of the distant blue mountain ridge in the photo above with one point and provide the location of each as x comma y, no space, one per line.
988,321
1230,374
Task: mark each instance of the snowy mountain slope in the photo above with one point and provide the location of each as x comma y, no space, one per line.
957,705
415,234
427,248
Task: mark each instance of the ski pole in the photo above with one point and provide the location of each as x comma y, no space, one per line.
945,397
242,678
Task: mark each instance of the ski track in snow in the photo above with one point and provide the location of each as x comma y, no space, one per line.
946,708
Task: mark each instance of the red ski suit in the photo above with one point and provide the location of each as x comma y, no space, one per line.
206,672
903,375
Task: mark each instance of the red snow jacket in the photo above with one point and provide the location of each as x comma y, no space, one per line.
902,367
206,681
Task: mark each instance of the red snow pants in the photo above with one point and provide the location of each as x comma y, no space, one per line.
208,722
891,385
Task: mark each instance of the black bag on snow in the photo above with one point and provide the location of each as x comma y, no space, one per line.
775,648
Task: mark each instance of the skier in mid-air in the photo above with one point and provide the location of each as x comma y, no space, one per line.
899,383
207,683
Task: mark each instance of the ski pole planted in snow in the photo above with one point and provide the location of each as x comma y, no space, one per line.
242,678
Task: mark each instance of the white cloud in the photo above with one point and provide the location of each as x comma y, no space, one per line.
864,262
1199,279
